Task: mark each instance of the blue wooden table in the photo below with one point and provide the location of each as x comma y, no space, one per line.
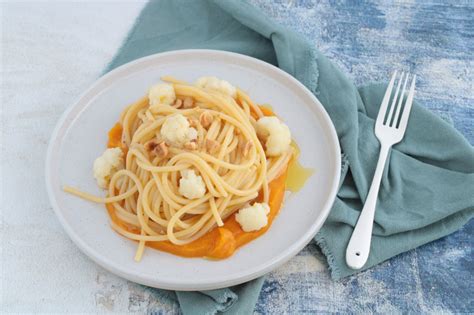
368,39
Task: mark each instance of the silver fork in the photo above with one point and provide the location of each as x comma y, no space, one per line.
389,132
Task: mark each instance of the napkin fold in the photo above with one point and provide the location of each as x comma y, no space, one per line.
427,187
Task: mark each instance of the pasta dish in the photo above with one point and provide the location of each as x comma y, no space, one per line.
196,170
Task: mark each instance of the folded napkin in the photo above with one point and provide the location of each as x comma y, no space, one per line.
427,187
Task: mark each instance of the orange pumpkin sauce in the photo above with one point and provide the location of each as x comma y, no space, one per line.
220,242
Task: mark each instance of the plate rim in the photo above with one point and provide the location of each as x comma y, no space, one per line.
242,277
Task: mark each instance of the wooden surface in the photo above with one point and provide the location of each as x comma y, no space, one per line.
51,52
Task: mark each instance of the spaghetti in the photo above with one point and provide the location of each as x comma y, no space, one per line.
223,152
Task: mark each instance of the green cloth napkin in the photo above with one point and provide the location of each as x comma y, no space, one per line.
427,187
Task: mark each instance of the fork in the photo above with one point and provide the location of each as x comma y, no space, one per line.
390,127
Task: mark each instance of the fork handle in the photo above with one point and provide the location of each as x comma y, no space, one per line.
358,249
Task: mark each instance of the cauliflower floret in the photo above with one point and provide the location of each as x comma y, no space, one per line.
191,185
176,130
217,84
276,133
161,93
253,218
106,165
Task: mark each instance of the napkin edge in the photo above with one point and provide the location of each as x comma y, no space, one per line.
320,240
125,42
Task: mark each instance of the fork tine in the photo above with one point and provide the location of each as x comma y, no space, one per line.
396,117
394,101
408,104
386,99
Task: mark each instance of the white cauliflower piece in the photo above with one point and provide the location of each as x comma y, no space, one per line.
176,130
217,84
161,93
106,165
276,134
191,185
253,218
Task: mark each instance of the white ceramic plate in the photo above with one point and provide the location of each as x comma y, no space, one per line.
81,135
